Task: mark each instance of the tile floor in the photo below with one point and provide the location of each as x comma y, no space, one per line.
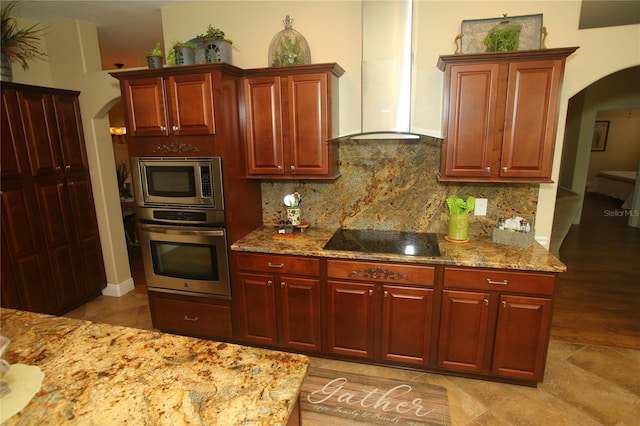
583,385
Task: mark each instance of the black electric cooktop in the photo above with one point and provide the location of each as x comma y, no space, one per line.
390,242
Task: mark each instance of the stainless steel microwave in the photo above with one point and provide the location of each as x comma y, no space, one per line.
178,182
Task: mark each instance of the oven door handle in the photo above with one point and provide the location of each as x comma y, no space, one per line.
184,231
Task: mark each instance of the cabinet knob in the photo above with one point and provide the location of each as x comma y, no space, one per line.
293,168
70,182
279,167
386,293
370,292
487,169
58,168
486,302
68,166
504,304
269,283
282,284
174,128
504,169
163,128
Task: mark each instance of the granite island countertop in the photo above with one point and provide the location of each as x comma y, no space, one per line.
479,252
109,375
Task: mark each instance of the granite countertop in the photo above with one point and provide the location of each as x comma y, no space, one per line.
103,374
479,252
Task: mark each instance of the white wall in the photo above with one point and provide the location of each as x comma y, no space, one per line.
333,31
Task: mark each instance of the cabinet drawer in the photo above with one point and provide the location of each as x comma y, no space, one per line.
493,279
274,263
209,318
381,272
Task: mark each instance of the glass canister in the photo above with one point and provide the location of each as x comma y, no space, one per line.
289,47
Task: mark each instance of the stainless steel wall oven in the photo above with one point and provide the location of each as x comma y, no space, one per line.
181,223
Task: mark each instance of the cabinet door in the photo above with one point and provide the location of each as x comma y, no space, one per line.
308,124
531,119
300,313
24,261
41,134
58,235
69,126
191,104
471,119
463,330
265,143
145,106
258,309
351,316
522,335
87,236
406,324
14,161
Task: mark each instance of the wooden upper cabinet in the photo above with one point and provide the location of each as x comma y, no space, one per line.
500,115
14,158
175,105
290,117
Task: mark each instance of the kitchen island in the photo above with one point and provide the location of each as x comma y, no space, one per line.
103,374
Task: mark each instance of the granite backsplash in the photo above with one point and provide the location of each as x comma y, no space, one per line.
392,185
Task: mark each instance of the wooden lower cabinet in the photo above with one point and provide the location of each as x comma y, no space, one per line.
192,316
350,324
278,308
369,318
499,333
406,324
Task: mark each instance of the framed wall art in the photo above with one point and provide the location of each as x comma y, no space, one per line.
600,133
473,32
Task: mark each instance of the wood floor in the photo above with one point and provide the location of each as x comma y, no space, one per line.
599,296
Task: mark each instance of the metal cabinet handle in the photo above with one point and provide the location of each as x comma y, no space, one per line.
163,128
58,168
187,318
269,283
504,304
70,182
60,183
386,293
282,284
68,166
274,265
486,302
175,128
503,282
293,168
279,167
504,169
487,169
370,292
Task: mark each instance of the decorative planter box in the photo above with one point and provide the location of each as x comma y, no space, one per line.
513,238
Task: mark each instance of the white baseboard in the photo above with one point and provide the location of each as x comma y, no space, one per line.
544,241
118,290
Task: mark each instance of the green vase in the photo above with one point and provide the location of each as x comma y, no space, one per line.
458,227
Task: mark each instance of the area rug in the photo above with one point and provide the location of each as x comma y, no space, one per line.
332,397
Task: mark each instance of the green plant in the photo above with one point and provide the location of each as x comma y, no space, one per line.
504,37
155,52
184,44
214,34
288,52
19,44
457,206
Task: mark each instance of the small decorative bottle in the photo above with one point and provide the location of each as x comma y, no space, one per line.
289,47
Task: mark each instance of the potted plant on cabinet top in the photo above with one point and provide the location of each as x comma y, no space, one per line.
154,57
185,52
17,44
217,47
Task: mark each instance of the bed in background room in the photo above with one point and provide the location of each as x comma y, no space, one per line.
616,184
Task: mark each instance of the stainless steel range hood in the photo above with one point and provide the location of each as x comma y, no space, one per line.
386,70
